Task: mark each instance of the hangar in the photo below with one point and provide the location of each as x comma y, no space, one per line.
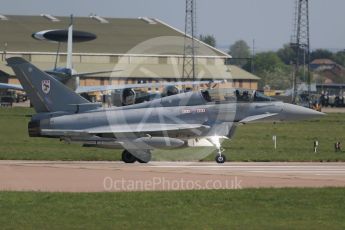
146,49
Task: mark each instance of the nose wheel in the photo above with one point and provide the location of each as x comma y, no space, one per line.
220,158
215,140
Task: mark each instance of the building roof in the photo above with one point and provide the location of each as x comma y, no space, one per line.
239,73
159,71
114,35
322,62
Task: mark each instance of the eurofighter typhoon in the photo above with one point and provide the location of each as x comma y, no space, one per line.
190,119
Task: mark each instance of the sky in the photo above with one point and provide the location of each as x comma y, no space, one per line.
268,22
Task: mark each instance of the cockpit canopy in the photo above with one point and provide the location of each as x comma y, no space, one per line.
234,95
209,96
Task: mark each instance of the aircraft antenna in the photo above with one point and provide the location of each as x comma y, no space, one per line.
189,60
300,42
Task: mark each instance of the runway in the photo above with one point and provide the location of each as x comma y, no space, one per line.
54,176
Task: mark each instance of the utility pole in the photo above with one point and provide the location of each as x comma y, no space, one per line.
300,43
253,57
189,60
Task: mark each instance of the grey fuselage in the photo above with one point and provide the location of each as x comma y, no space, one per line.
210,118
187,119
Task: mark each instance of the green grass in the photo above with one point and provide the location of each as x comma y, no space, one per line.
231,209
251,142
15,144
295,141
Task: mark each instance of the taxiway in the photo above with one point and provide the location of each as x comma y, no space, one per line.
52,176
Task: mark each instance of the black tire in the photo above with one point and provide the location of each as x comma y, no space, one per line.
128,158
142,161
220,159
145,158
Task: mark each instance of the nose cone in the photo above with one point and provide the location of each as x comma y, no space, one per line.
292,112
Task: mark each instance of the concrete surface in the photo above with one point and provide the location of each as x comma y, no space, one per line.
117,176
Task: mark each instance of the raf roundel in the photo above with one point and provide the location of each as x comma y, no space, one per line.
46,86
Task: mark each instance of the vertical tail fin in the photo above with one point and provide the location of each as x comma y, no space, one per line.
45,92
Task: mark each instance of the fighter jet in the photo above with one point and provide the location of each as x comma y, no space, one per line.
197,118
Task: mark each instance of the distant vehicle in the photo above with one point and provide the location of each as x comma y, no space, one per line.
21,98
332,100
311,101
6,101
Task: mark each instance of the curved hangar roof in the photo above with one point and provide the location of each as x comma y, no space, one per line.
114,35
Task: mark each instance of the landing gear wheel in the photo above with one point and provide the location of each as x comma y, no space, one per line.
143,161
128,158
144,158
220,159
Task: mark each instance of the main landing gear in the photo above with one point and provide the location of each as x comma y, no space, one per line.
140,156
220,158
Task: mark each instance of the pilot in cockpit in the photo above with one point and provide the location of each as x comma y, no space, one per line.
206,96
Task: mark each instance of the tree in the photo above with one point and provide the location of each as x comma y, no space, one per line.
268,61
241,50
340,58
280,79
287,54
272,71
321,54
208,39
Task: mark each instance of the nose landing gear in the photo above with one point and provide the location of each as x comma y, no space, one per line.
215,140
220,158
